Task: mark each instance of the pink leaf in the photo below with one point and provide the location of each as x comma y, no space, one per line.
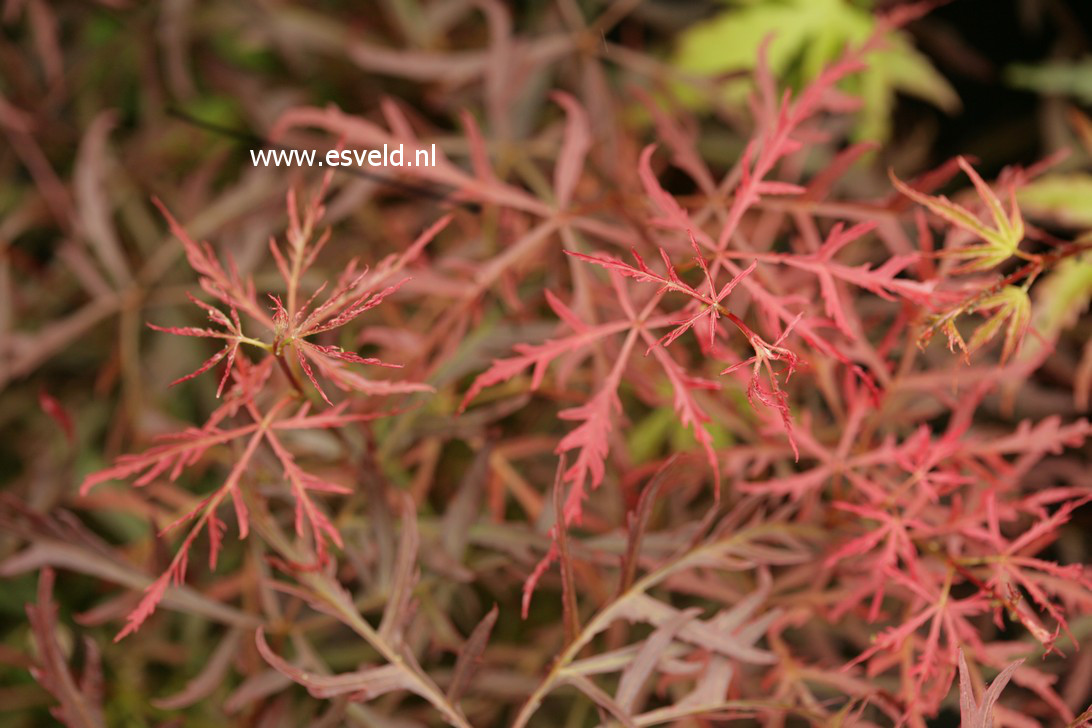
972,713
577,141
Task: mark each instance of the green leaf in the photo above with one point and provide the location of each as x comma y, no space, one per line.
647,437
1063,296
1000,242
215,109
1064,198
806,36
1072,79
1012,310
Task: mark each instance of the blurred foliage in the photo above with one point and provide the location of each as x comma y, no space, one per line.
1057,78
1063,197
804,36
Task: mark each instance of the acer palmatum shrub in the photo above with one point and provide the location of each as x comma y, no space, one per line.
595,448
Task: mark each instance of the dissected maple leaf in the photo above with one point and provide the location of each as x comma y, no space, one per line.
999,243
807,34
710,308
709,305
1011,309
1012,305
361,685
975,714
174,453
232,335
769,395
80,700
591,438
290,322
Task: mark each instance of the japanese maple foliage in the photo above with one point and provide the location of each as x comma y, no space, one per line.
619,434
270,410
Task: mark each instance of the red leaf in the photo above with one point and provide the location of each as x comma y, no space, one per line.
52,407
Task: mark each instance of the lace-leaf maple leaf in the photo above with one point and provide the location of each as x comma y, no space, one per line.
710,308
360,685
1012,310
80,700
591,438
174,453
975,714
232,335
1000,242
290,322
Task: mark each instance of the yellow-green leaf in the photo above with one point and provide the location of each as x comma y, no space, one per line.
1064,198
807,35
1000,241
1012,310
1060,78
1063,296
